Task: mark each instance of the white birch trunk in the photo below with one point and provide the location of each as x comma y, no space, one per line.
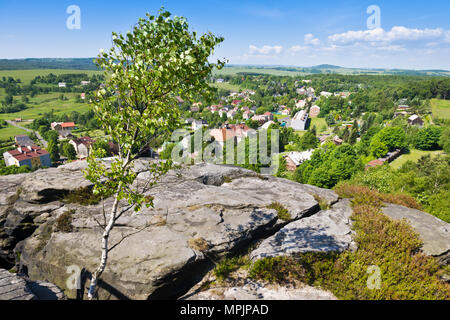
98,272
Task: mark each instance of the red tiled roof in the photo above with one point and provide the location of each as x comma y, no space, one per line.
375,163
68,124
87,141
27,153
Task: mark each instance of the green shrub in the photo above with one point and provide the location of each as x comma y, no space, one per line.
83,196
277,270
390,245
322,203
64,222
282,212
229,265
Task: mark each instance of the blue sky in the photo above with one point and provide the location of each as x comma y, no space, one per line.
413,34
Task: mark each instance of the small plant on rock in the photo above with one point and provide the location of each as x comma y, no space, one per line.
282,212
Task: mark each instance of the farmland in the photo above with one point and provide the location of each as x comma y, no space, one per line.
43,103
413,155
440,108
27,75
10,132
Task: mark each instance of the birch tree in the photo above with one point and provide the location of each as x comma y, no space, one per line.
146,70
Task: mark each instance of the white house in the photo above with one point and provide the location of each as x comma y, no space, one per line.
299,122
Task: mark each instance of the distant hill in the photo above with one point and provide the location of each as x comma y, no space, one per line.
326,66
88,64
48,63
324,69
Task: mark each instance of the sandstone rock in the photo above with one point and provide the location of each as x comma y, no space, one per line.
259,291
15,287
224,206
327,230
434,232
50,184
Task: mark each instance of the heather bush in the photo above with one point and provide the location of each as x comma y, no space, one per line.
391,246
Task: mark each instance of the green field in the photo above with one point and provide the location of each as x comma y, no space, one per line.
27,75
45,103
440,108
320,123
227,86
234,70
414,155
10,132
296,71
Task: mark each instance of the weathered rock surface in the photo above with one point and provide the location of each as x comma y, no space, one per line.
49,184
259,291
223,206
15,287
327,230
434,232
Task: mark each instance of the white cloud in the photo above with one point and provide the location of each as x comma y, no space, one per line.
297,48
447,36
309,39
397,33
265,49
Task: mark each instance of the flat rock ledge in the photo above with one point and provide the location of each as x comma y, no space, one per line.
325,231
15,287
221,207
434,232
260,291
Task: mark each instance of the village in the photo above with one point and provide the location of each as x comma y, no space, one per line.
239,118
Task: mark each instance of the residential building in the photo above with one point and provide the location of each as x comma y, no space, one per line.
23,140
314,111
337,141
64,128
415,120
300,121
403,107
197,124
82,146
326,94
374,163
222,134
269,115
32,156
294,159
231,113
247,115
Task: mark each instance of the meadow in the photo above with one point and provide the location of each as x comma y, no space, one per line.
440,108
413,155
10,131
27,75
43,103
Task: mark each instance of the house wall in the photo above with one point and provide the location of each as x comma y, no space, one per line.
290,165
83,151
9,159
45,160
26,162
